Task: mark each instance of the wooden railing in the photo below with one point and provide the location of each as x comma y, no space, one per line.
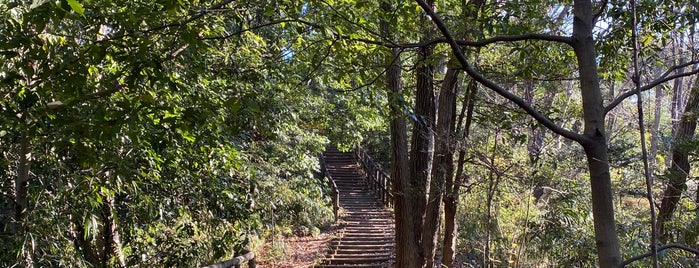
247,256
333,186
379,181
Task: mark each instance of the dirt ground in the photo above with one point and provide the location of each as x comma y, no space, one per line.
294,251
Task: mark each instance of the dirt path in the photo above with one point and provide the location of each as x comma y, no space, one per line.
294,251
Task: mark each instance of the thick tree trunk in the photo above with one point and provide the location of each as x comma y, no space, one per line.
595,145
606,238
422,146
679,169
406,246
443,165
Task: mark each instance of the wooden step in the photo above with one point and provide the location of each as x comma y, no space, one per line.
364,260
352,266
366,228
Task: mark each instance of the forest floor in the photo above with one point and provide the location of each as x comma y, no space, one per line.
299,251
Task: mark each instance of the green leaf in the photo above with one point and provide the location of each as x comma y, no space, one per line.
37,3
77,7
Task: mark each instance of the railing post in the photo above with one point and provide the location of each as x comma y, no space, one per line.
378,181
377,173
333,187
383,191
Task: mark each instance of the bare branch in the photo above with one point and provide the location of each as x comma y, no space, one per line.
664,247
642,134
458,53
662,79
478,43
523,37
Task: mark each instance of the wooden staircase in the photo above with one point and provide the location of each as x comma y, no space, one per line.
365,236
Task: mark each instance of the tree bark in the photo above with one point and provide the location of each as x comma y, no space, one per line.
113,247
593,138
21,190
680,167
443,165
595,144
421,145
452,184
406,247
677,96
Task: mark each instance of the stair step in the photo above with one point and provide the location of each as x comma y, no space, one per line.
366,228
351,266
365,260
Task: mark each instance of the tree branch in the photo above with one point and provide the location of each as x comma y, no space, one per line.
376,78
345,18
258,27
190,19
523,37
174,24
662,79
478,43
664,247
93,96
458,53
320,63
602,7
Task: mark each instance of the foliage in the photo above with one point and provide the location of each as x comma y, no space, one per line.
172,133
142,120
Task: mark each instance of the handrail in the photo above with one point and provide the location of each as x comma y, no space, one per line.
247,256
333,186
379,180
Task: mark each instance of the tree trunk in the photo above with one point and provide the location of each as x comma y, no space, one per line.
676,102
406,247
421,146
595,144
82,243
20,200
593,139
680,162
443,166
655,129
22,180
118,248
452,184
112,237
